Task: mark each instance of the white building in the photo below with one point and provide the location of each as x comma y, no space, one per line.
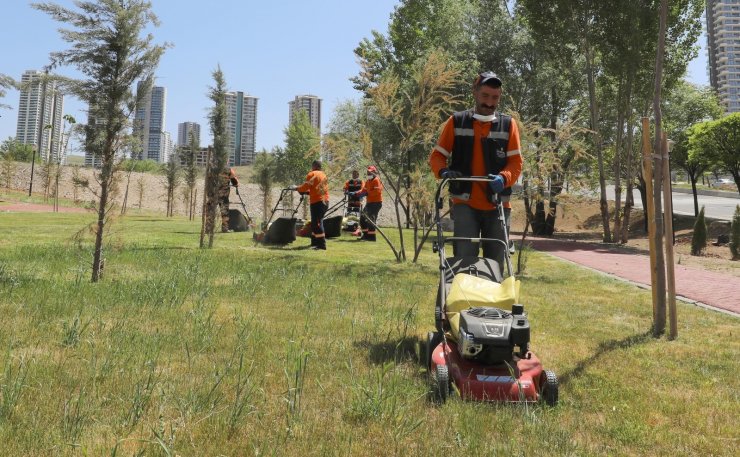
241,127
183,133
309,103
149,122
723,46
30,110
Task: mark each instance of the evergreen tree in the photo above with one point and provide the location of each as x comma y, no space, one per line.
108,48
264,172
220,156
191,172
699,238
735,234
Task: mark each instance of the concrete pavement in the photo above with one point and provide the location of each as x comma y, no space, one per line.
705,288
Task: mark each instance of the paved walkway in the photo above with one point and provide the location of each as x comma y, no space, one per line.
716,290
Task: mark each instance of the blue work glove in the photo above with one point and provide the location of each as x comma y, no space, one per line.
498,183
446,173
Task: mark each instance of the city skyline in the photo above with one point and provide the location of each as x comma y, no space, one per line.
316,63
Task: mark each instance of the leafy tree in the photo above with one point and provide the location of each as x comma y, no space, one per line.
11,149
6,82
219,157
107,47
302,146
719,142
265,170
699,237
686,105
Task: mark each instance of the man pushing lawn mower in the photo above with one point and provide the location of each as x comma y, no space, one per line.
317,186
480,350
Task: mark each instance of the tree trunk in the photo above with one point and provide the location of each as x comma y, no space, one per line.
594,108
618,165
629,201
660,315
696,197
105,180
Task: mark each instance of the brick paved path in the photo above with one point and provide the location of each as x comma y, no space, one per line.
717,290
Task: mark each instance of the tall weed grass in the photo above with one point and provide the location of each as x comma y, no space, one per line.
251,350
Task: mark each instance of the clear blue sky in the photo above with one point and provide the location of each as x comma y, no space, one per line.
271,50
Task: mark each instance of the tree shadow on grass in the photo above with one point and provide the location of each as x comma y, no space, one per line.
604,348
398,350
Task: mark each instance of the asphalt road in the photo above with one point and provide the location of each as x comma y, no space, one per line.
721,208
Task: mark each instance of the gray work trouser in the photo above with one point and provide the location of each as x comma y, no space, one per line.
474,223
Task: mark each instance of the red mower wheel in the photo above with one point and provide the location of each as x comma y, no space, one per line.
549,388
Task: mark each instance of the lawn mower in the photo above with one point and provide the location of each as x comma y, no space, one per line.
334,224
283,230
480,351
239,222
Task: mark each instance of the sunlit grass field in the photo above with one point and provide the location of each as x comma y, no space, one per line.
247,350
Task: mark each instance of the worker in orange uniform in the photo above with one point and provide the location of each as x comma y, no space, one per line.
317,186
479,142
372,188
226,178
353,186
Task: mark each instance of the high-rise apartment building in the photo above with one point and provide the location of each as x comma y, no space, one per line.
31,108
184,129
312,105
241,127
723,46
149,121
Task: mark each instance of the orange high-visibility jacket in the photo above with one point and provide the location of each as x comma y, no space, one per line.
478,197
316,185
373,188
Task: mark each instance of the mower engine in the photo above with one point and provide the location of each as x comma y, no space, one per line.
492,335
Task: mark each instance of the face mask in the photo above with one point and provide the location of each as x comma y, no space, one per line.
483,118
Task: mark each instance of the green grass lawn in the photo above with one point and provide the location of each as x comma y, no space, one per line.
247,350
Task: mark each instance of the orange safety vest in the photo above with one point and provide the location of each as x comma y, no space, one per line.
316,185
374,190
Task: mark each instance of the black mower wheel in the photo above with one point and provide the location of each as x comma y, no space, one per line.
441,387
433,340
549,388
